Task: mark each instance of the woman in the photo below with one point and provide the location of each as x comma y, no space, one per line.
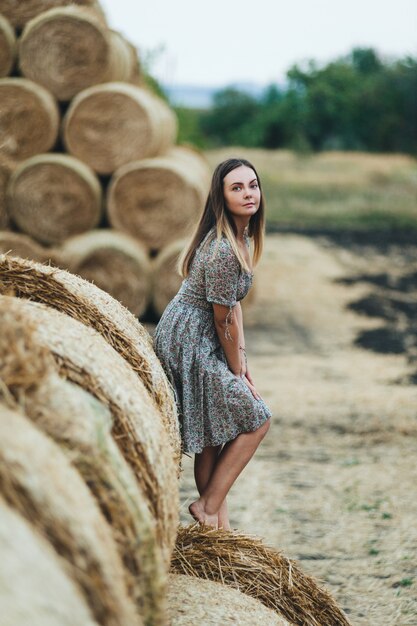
200,342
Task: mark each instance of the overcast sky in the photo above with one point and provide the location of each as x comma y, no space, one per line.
218,42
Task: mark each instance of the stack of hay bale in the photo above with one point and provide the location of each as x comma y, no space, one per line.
90,176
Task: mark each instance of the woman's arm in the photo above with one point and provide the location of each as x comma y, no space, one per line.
228,327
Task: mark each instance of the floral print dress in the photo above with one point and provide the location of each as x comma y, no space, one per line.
214,404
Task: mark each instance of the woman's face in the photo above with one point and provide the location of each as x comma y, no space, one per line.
241,191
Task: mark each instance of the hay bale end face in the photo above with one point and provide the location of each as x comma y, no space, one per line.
39,483
6,168
109,125
18,12
29,118
114,262
19,245
35,587
165,279
155,200
203,602
53,196
7,47
93,307
247,564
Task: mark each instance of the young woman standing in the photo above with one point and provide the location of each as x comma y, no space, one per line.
200,340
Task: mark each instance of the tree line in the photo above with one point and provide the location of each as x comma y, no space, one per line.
357,102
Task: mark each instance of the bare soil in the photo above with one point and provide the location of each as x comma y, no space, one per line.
334,483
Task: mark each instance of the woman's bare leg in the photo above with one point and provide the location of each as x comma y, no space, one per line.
230,462
204,464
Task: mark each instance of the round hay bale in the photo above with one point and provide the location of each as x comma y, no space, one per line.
6,169
20,12
203,602
194,159
165,279
7,47
114,262
155,200
124,64
68,49
54,196
35,589
39,483
83,357
109,125
245,563
29,118
22,246
93,307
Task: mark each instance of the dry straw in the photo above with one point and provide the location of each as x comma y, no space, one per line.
21,245
156,200
54,196
7,47
82,425
109,125
83,357
29,118
6,168
245,563
93,307
19,12
35,588
196,601
165,279
68,49
38,482
114,262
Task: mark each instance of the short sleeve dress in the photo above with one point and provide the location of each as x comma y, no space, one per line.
214,405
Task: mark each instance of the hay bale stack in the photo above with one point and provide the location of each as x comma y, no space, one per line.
68,49
195,159
245,563
19,12
7,47
93,307
165,279
54,196
6,168
39,483
114,262
109,125
35,588
155,200
84,358
196,601
19,245
29,118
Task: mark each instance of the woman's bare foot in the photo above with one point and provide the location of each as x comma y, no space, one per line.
199,514
223,517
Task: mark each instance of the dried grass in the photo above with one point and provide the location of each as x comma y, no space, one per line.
165,279
155,200
19,12
7,47
113,124
38,482
19,245
80,51
245,563
197,601
35,589
93,307
85,358
54,196
114,262
6,168
29,118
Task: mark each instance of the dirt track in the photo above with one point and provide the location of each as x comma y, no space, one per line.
334,483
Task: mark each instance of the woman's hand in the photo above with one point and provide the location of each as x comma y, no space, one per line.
247,378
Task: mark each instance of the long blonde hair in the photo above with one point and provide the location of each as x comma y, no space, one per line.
216,214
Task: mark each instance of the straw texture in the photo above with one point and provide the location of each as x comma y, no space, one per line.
165,279
18,12
92,306
17,244
68,49
35,589
85,358
155,200
203,602
37,480
245,563
7,47
109,125
114,262
54,196
6,168
29,118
